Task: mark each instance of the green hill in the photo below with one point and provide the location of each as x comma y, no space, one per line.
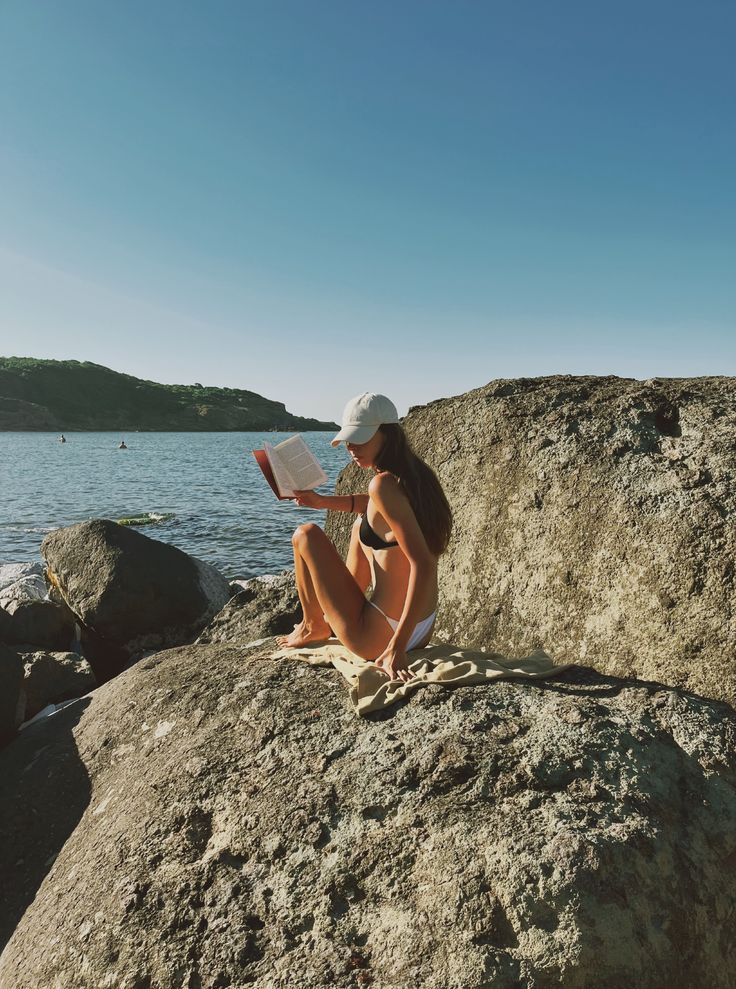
69,395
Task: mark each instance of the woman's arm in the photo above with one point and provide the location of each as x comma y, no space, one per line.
394,506
333,503
357,561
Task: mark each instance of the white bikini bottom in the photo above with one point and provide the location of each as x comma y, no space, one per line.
420,629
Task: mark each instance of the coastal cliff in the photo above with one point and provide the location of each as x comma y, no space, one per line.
46,395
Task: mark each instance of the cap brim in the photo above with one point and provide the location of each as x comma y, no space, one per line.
354,434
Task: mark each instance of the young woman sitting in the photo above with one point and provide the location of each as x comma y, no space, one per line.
403,527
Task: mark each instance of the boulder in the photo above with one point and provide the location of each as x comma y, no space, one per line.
12,694
262,607
11,573
131,593
217,817
52,677
593,519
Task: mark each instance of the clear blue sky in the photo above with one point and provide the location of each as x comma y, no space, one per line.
311,198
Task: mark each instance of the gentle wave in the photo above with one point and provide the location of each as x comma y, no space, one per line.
30,529
148,518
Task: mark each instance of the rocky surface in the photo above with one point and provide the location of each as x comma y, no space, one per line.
12,694
27,616
593,519
217,818
261,607
5,625
52,677
130,593
40,624
21,583
11,573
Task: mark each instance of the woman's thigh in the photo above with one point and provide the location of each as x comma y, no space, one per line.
356,623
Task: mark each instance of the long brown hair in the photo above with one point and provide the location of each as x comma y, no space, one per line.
420,485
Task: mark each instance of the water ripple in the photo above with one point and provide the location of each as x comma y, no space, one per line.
202,492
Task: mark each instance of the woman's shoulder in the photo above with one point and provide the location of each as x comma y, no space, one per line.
383,485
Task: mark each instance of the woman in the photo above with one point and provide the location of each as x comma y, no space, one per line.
403,526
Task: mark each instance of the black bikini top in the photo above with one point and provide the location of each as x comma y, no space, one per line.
369,537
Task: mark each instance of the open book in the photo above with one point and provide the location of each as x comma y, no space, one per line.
290,466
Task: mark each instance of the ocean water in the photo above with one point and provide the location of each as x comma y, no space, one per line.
202,492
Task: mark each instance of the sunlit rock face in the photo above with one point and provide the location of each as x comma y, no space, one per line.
593,519
215,817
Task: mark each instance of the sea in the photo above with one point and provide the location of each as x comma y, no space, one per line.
201,492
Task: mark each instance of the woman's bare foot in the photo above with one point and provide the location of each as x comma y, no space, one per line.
304,634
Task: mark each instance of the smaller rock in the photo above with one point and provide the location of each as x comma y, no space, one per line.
130,593
12,694
52,677
31,587
12,572
40,623
264,606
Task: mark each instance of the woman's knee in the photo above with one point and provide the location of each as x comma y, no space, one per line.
306,532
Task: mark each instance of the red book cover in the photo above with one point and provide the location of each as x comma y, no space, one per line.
262,461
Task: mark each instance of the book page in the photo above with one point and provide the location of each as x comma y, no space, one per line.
280,473
301,465
265,464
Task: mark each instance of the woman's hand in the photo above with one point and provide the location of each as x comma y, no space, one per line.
395,664
309,499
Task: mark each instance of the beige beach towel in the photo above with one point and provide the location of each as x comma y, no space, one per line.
371,690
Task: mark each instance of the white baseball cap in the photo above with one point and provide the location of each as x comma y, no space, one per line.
362,417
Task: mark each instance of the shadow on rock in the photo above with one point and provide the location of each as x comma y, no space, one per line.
44,790
589,682
583,682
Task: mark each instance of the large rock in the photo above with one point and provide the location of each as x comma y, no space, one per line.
52,677
11,573
130,593
593,519
12,694
263,606
218,818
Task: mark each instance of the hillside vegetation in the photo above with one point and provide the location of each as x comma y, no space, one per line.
68,395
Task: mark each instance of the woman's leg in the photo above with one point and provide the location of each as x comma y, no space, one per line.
332,598
313,627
